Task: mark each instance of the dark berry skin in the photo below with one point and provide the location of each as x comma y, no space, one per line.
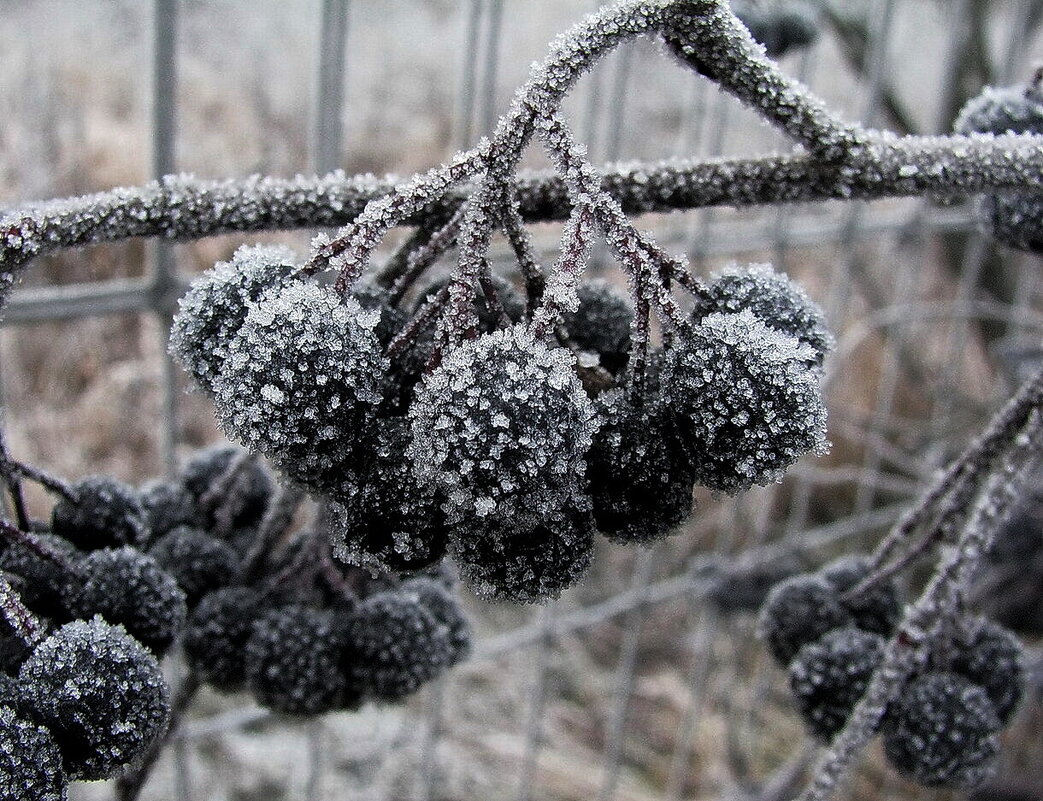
602,323
440,603
877,610
941,732
992,658
30,761
830,675
100,693
106,513
216,634
128,588
198,562
640,477
395,646
41,582
293,661
797,612
254,488
168,505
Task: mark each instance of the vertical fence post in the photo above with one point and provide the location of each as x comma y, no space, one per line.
329,101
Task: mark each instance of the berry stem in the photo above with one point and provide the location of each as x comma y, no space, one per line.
425,254
25,624
14,486
38,546
41,477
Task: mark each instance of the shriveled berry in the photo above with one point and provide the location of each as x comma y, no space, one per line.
213,309
293,660
395,646
30,762
198,562
829,676
878,609
128,588
216,634
745,401
798,611
941,732
106,513
100,693
301,381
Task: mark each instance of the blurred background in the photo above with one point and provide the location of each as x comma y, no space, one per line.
645,682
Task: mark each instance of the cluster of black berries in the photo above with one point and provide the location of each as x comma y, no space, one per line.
510,451
1013,217
312,649
941,730
206,559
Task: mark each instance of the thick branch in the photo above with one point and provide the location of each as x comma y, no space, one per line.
184,208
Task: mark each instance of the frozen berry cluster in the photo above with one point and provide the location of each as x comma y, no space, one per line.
511,450
941,729
207,560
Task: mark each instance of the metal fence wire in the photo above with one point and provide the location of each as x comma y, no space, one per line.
646,682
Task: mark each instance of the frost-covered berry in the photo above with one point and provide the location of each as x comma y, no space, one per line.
879,609
216,634
128,588
798,611
773,299
1013,217
253,484
737,588
829,675
13,650
301,381
601,323
387,520
501,429
941,731
167,505
374,298
40,582
527,565
395,646
30,762
745,401
100,693
216,304
791,26
106,513
198,562
992,658
640,477
293,659
439,601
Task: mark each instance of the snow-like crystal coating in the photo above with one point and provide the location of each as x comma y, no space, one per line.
30,762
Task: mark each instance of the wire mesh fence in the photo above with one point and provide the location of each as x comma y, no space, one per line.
646,682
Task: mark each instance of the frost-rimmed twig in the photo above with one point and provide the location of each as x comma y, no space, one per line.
909,647
184,208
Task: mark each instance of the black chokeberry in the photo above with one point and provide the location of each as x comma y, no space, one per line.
992,657
395,646
253,485
30,761
601,323
100,693
167,505
745,401
879,608
198,562
105,513
213,309
941,731
301,381
798,611
216,634
440,602
41,582
128,588
829,676
293,660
